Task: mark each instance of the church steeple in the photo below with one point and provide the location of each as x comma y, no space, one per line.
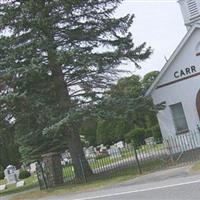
191,12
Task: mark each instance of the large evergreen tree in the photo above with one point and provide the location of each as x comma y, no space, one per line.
57,56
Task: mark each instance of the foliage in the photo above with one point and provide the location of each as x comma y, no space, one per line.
24,174
110,132
1,175
129,108
148,132
128,86
157,133
51,68
9,150
1,172
88,129
136,135
148,79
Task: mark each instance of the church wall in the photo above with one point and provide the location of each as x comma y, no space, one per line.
180,83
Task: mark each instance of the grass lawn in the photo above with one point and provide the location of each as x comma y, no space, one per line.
2,182
101,181
196,167
104,162
30,183
150,148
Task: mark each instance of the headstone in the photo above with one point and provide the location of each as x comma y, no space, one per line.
33,167
90,152
20,184
101,150
2,187
114,152
120,145
104,151
66,158
101,146
63,162
11,174
130,146
149,141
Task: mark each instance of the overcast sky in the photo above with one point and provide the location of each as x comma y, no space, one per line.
157,22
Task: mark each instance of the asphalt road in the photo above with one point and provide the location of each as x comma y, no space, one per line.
188,191
177,186
172,184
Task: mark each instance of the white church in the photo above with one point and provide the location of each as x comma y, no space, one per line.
178,84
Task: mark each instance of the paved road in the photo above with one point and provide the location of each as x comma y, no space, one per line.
151,187
172,184
180,191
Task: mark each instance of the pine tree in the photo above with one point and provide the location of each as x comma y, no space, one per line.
57,57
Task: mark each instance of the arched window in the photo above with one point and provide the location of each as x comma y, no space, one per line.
198,103
198,49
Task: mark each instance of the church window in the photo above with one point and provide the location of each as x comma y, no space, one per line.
179,118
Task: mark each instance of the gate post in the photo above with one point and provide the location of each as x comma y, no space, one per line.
136,157
170,151
53,169
41,176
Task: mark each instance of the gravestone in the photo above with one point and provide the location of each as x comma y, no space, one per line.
10,174
20,184
66,158
90,152
101,150
104,151
33,167
120,145
128,146
149,141
114,152
2,187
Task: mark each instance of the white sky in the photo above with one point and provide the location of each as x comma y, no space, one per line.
157,22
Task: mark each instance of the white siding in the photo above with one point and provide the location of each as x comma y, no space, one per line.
184,91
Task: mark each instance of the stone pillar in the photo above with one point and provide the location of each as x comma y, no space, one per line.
53,169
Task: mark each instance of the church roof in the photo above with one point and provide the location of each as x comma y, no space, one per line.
173,56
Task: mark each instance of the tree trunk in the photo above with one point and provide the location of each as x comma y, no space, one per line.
80,164
82,168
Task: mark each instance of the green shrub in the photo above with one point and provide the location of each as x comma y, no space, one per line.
157,134
136,135
24,174
1,172
148,133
